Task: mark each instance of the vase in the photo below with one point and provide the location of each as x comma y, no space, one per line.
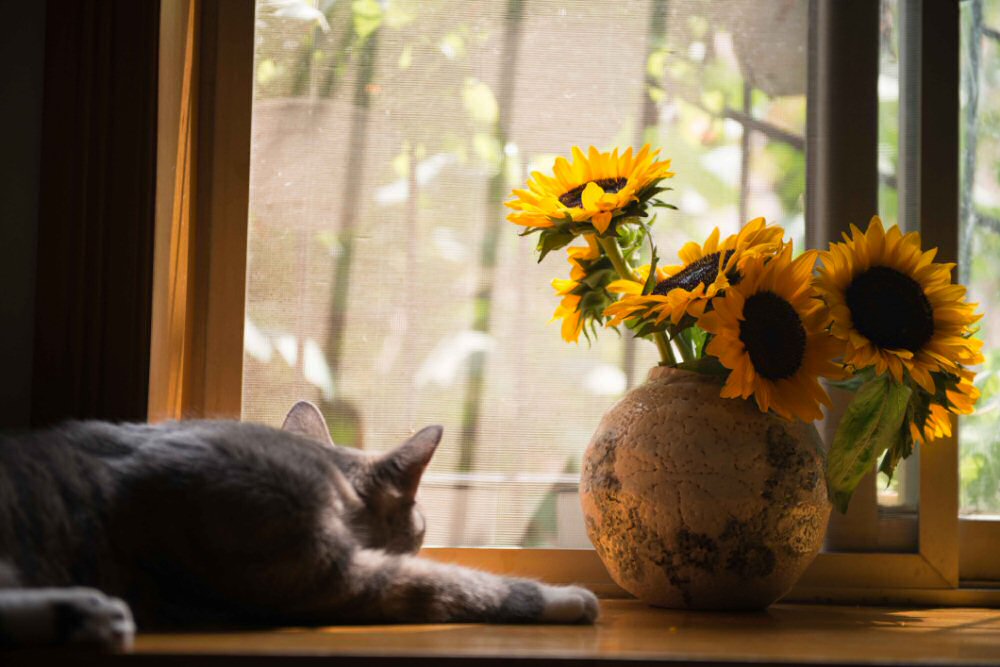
694,501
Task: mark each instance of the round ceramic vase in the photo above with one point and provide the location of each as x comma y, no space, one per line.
695,501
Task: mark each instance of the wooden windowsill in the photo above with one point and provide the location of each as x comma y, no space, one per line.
628,631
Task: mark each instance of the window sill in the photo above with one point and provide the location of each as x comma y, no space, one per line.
628,631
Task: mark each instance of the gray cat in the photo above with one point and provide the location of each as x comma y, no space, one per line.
202,523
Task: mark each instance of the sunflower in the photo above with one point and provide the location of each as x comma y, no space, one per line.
960,399
579,295
634,300
686,289
770,331
896,308
593,187
568,310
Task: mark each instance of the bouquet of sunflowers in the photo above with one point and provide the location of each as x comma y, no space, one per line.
877,315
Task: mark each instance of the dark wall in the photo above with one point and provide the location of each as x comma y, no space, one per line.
22,52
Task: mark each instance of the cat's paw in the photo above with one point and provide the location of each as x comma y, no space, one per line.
57,616
569,604
87,616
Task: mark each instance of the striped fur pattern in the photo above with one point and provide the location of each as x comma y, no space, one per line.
209,523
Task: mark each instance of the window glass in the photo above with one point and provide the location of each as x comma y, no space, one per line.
888,112
384,283
979,246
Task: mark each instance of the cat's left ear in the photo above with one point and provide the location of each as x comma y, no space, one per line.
405,464
306,420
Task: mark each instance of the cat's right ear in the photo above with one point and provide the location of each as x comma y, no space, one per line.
306,420
405,464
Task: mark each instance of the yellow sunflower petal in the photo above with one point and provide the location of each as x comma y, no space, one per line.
601,221
773,346
903,316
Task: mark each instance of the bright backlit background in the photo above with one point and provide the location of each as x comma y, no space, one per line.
385,285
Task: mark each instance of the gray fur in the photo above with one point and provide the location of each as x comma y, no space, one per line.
227,522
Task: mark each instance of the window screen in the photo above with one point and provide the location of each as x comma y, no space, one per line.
979,246
384,283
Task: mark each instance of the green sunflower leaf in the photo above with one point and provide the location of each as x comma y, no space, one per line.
552,239
707,365
649,328
693,337
854,382
650,284
901,447
598,277
651,191
869,427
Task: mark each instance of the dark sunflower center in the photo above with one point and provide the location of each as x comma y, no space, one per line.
773,335
703,271
574,198
890,309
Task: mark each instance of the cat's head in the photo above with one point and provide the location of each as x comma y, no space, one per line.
378,492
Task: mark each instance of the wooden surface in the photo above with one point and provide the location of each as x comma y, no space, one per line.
628,631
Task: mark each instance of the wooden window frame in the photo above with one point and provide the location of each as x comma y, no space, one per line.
203,176
206,71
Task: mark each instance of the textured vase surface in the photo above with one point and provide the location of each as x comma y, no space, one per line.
700,502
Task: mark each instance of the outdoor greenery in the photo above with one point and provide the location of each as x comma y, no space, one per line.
979,246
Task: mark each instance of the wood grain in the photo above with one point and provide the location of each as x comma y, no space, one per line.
629,631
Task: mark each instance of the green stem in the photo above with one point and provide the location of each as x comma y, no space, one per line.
614,253
685,346
666,354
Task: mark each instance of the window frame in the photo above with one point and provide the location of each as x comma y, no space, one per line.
203,182
206,75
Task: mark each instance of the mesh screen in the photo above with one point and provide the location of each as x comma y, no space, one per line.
979,246
384,283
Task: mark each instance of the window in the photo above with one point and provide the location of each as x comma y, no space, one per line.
384,283
979,241
423,305
979,244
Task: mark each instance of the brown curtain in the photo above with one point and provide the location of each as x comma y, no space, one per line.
96,213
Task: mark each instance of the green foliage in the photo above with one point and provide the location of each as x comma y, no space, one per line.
873,422
554,238
705,366
790,167
979,453
367,16
696,338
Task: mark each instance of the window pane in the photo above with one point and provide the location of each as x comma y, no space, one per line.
888,113
979,246
384,283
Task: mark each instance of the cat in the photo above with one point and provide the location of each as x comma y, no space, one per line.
207,523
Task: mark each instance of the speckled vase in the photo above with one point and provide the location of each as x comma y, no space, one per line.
694,501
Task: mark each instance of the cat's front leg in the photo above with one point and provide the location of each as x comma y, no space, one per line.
392,588
568,604
57,616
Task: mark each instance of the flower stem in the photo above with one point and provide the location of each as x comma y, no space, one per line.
683,350
666,354
614,253
683,345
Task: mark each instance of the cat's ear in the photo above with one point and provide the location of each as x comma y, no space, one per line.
405,464
306,420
